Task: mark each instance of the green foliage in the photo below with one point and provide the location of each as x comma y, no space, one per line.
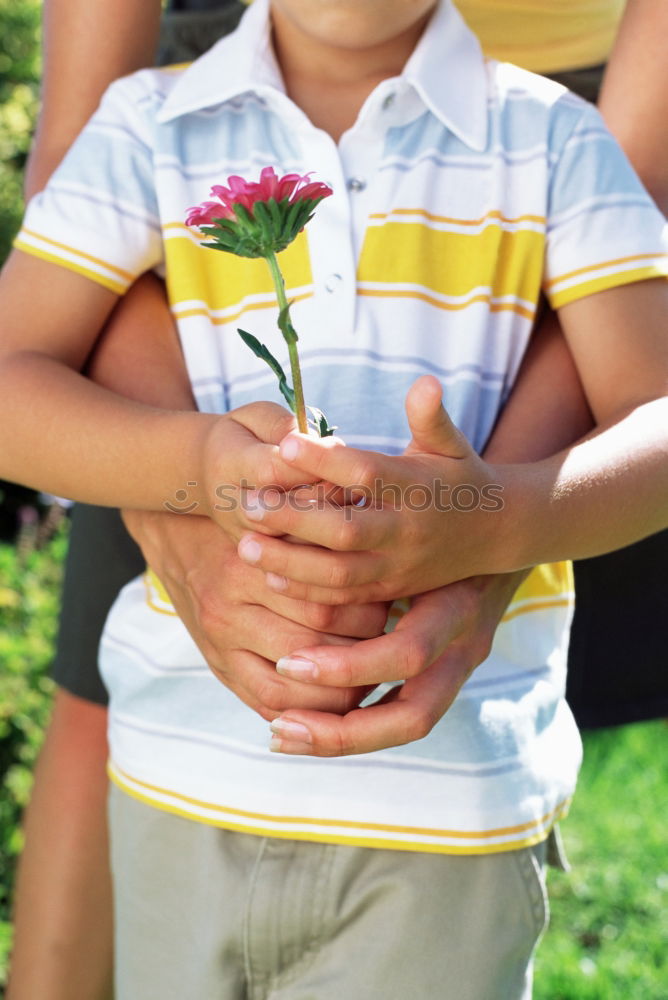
609,923
19,84
29,597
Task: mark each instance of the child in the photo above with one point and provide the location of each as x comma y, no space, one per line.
457,297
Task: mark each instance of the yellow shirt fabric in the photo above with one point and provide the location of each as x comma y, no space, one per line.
545,36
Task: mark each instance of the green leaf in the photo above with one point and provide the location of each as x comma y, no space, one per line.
242,214
276,213
264,220
262,351
286,327
290,227
318,419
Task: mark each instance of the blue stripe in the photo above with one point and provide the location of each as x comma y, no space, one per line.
345,392
121,167
138,215
238,138
634,206
592,168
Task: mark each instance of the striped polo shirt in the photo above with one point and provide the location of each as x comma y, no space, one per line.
465,190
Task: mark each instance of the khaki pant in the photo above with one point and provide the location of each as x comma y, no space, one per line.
209,914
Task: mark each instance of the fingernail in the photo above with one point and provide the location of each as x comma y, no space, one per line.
290,747
287,730
289,448
276,582
297,668
254,509
250,550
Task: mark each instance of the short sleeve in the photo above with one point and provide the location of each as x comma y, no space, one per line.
98,214
603,229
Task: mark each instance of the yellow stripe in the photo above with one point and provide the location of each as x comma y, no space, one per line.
563,602
448,220
331,838
79,253
615,280
101,279
449,306
546,581
454,264
603,264
547,586
223,280
151,580
175,67
233,317
181,227
307,821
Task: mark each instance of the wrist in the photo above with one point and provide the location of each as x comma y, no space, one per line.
512,524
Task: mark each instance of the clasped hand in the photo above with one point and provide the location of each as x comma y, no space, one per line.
411,523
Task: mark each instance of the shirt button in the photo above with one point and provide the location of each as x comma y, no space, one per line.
356,184
333,282
389,101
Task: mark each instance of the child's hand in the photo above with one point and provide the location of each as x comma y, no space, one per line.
429,516
240,454
436,646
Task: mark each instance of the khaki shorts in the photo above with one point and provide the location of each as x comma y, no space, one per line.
210,914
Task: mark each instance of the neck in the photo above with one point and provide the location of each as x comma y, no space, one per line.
329,74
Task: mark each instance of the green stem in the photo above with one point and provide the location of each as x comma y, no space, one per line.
284,308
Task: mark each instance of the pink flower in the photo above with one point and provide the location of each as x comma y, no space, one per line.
260,219
294,187
256,218
207,213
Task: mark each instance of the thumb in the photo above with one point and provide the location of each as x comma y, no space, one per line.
433,432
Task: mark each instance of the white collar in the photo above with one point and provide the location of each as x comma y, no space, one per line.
447,70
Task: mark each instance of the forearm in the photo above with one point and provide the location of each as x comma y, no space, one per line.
87,44
608,491
534,423
84,442
611,489
633,96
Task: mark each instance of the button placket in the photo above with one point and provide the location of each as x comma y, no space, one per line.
332,308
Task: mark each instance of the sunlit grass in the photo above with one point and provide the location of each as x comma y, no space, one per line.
608,937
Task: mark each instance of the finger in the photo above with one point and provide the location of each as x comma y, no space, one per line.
249,462
431,428
254,680
364,472
345,529
354,621
407,714
363,594
311,564
268,422
420,637
269,635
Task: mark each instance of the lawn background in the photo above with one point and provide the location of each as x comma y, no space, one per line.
608,937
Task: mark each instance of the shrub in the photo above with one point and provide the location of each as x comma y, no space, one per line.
29,597
19,81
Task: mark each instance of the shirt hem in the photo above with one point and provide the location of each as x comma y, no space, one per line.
181,806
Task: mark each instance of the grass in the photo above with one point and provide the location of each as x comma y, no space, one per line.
608,937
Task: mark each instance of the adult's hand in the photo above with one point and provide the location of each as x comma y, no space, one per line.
240,625
444,636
